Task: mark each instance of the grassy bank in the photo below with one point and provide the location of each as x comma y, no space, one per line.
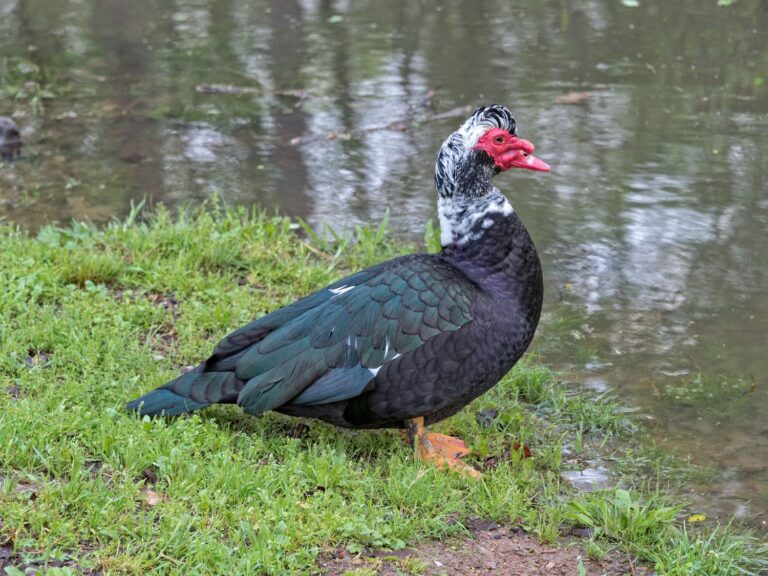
90,318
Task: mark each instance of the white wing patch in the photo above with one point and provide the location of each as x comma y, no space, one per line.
375,371
340,290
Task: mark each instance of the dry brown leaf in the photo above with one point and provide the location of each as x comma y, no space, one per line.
574,98
152,498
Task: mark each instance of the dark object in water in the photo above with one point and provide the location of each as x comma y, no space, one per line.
10,139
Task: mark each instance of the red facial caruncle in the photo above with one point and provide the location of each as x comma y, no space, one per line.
508,151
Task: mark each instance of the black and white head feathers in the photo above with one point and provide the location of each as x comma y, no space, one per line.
466,196
455,151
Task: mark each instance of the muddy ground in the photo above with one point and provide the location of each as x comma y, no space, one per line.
489,550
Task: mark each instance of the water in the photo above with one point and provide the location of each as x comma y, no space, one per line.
652,226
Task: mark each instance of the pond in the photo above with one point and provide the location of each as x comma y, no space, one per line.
652,225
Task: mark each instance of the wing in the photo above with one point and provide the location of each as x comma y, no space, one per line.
230,349
330,346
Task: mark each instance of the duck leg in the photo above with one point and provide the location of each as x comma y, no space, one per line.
444,451
448,446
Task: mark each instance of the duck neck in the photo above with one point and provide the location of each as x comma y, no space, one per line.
490,244
467,218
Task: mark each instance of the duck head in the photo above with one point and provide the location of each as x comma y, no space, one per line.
485,145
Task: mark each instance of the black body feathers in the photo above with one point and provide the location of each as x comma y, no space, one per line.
420,335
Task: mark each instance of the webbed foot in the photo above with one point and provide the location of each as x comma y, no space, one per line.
443,451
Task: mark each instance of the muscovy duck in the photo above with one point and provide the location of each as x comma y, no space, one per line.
405,343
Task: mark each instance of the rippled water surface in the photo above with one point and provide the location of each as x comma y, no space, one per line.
652,226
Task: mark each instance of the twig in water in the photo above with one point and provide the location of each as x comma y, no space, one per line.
400,125
229,89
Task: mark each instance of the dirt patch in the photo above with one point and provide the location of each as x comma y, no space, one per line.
38,358
14,391
162,344
491,550
30,561
167,301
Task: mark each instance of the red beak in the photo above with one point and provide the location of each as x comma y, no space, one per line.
519,154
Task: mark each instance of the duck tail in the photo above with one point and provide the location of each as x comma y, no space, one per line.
188,392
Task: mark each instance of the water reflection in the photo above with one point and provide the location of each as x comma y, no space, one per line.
652,226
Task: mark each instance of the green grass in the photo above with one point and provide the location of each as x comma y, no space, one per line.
616,516
645,527
22,80
90,318
720,551
705,390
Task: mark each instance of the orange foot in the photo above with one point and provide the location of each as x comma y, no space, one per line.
448,446
444,451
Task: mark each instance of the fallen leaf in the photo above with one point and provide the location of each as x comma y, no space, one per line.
517,447
696,518
573,98
152,498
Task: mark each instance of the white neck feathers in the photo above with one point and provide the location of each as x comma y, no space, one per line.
459,216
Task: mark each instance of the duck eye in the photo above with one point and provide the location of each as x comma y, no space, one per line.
499,140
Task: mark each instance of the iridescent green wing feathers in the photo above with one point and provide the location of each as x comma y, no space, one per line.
332,344
230,349
328,346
